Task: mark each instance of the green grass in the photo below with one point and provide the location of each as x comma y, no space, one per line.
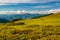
32,29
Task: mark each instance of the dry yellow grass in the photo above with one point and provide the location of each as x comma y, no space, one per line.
44,28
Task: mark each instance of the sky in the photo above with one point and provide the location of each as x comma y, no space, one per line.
29,6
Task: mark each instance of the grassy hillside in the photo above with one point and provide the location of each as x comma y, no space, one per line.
53,19
44,28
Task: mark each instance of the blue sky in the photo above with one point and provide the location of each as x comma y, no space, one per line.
29,5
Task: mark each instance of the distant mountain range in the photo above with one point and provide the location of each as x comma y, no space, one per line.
22,16
9,17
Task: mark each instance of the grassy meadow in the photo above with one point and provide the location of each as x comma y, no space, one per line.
44,28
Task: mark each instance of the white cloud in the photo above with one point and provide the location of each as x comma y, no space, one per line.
31,12
54,10
4,2
13,12
16,1
44,1
42,6
7,2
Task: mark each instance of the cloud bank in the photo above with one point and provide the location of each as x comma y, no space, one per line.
5,2
31,12
42,7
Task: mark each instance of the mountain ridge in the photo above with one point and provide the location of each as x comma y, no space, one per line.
19,16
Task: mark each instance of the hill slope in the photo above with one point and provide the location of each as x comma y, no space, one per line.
44,28
51,19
